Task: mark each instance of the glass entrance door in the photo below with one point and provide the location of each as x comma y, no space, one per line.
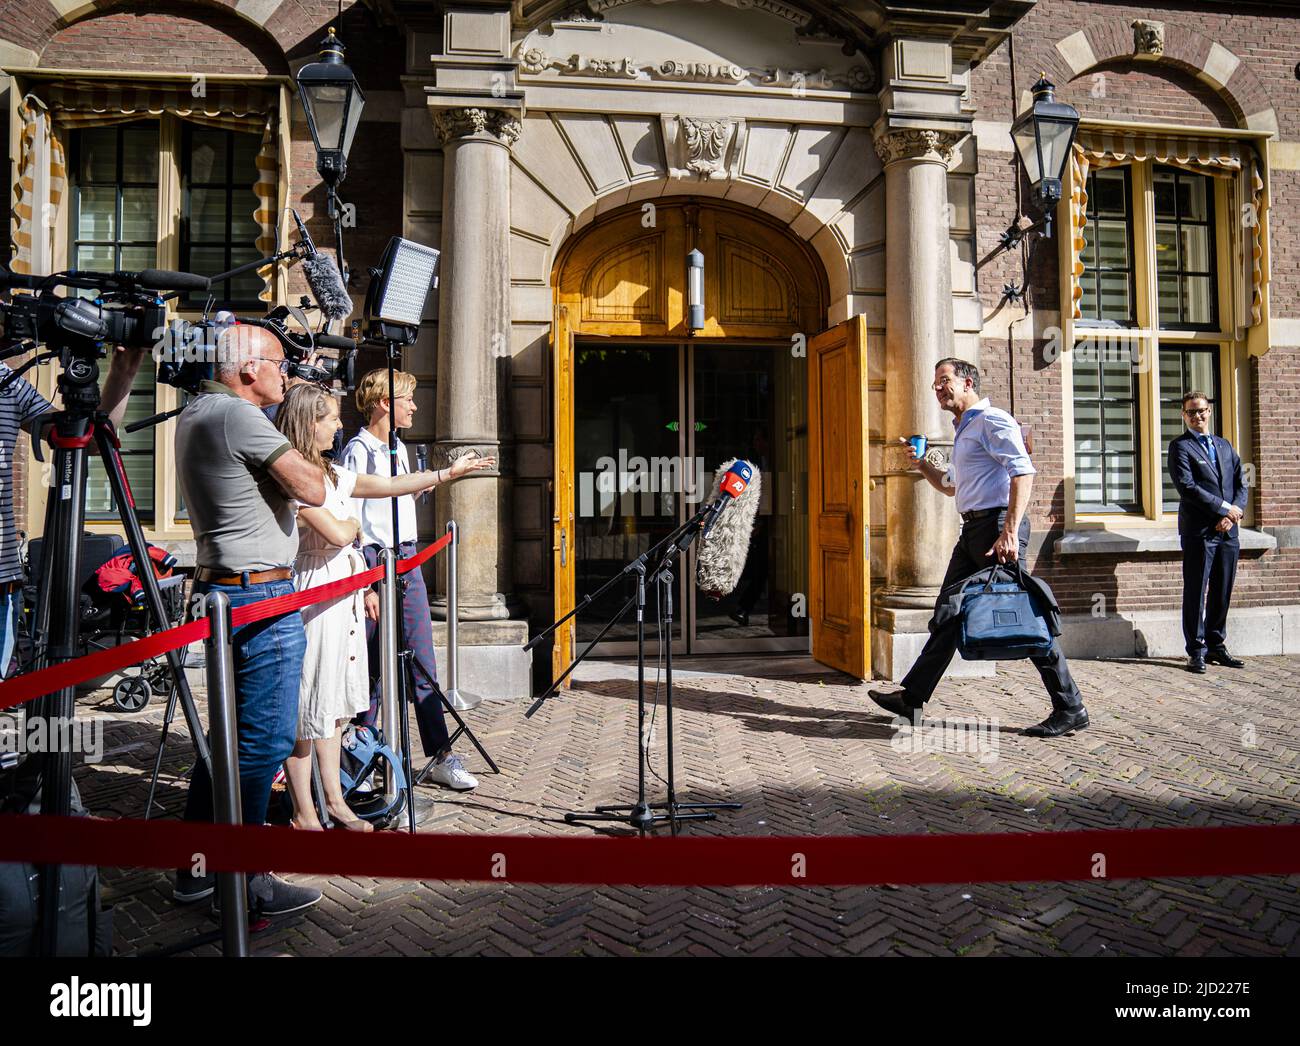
751,402
652,423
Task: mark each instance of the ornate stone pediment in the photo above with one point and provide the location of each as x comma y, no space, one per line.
700,72
798,79
706,149
534,61
617,68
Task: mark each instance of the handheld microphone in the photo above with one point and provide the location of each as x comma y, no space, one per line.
323,277
306,243
422,463
724,547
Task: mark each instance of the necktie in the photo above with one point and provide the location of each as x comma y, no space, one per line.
1208,443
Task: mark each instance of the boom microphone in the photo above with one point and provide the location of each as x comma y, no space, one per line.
334,341
323,277
723,547
165,280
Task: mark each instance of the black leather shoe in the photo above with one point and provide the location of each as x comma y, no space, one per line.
1196,664
1059,724
1222,657
894,704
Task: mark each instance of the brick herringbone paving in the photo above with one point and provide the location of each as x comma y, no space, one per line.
807,753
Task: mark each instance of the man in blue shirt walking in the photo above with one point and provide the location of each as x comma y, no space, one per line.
1212,500
991,477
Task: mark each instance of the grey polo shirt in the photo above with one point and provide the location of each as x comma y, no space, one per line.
225,447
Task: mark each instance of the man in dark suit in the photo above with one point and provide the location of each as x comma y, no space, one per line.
1207,472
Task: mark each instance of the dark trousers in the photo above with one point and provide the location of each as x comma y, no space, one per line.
968,556
1209,569
417,628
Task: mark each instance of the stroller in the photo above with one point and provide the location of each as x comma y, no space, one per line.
114,609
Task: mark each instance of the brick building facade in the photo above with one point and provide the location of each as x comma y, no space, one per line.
855,174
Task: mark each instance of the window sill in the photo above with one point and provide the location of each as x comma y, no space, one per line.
1153,541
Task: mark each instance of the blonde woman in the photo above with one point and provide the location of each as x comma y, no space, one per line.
335,681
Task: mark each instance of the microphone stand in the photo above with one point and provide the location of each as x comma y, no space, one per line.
642,814
393,352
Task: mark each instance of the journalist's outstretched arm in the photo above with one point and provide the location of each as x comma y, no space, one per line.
374,486
299,478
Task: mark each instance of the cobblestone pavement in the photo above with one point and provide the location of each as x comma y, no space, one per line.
807,753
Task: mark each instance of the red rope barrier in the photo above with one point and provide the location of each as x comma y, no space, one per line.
290,601
20,689
420,558
23,688
1147,853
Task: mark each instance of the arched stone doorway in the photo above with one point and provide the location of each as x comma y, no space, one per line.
645,410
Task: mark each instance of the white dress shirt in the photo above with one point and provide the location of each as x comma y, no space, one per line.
987,451
368,456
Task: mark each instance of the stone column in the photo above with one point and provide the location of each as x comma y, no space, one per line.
473,333
921,524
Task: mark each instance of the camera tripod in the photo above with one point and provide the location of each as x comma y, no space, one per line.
73,429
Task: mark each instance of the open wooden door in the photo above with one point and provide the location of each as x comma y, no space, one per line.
562,650
838,574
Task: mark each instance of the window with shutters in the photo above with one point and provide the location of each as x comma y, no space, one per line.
1153,310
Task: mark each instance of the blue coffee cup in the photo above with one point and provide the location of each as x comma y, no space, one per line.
918,445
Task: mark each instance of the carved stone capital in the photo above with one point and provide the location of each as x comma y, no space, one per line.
935,146
495,124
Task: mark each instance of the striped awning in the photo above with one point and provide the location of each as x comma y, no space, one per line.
53,109
200,97
1218,157
1107,148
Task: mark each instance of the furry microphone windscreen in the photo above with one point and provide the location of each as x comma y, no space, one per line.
327,286
722,554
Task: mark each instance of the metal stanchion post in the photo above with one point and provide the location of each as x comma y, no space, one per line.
455,700
388,667
460,700
231,886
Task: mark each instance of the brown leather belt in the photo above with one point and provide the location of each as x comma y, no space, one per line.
214,576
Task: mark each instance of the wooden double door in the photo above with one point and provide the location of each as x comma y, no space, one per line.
643,407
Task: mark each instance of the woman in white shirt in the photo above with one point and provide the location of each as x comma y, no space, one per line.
335,680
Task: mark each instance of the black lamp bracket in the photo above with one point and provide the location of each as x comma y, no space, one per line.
1017,231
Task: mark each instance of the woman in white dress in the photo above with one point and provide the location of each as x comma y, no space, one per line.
335,678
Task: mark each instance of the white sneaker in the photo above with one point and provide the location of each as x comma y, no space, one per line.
450,773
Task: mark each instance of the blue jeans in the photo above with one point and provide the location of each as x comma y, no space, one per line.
10,604
268,669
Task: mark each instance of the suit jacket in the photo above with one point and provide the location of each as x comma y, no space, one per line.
1202,488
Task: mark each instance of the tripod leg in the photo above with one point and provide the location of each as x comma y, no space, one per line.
168,716
65,513
404,691
153,596
158,756
666,592
463,728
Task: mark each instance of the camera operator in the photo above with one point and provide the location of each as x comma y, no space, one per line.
21,406
240,478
